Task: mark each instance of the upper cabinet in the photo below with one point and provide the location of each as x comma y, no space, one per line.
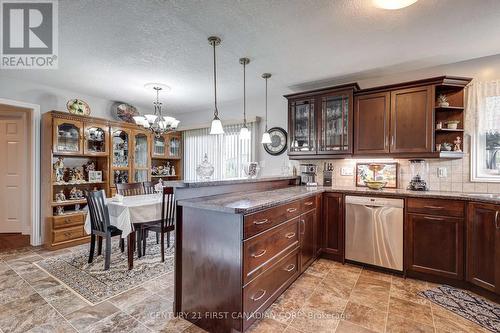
167,146
67,137
96,139
320,122
335,123
411,120
399,120
302,126
174,145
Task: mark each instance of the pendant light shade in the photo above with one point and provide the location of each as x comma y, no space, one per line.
244,132
266,138
216,127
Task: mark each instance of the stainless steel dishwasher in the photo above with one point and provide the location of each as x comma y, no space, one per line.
374,231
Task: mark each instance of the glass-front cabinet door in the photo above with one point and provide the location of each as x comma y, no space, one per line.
174,145
120,159
141,157
335,123
302,127
67,137
159,146
96,139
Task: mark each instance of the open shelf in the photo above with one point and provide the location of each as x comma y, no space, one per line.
449,129
164,176
72,213
449,108
69,202
76,184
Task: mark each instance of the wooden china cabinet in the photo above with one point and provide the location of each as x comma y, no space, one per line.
122,152
320,122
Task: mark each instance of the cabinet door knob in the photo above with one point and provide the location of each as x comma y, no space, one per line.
259,254
258,222
262,294
289,268
291,210
290,235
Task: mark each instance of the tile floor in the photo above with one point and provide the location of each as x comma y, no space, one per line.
329,297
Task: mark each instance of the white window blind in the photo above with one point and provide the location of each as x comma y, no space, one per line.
483,104
227,152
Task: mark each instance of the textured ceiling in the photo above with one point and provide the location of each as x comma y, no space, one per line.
110,48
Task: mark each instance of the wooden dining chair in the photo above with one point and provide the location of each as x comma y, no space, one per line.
100,226
129,189
165,225
149,187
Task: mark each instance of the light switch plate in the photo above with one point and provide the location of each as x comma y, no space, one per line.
346,171
442,172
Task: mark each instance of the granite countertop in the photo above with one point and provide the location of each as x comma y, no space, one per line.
248,202
228,181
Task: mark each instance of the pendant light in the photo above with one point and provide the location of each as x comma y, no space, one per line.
266,138
216,127
244,132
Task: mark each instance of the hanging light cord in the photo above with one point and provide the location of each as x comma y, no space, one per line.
266,104
216,111
244,96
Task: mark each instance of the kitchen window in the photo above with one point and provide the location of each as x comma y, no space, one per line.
484,106
226,152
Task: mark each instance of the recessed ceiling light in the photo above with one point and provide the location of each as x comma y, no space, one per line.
393,4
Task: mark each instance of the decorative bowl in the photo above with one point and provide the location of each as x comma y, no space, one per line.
376,184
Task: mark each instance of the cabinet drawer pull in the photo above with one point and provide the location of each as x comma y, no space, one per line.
290,235
433,207
309,203
291,210
289,268
67,234
496,220
260,254
433,218
259,222
263,293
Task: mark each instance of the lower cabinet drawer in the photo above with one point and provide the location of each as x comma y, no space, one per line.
259,251
62,235
267,286
441,207
260,221
59,222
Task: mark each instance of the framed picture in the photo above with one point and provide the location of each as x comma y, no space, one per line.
388,172
95,176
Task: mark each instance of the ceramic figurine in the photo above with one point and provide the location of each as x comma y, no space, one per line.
73,194
457,143
60,196
77,207
59,210
172,171
79,175
59,170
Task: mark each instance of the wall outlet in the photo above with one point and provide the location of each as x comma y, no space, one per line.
346,171
442,172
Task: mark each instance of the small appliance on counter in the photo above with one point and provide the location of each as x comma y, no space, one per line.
308,174
419,170
328,174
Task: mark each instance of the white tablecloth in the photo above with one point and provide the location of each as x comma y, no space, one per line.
133,209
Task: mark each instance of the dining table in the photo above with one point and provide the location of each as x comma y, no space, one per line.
129,212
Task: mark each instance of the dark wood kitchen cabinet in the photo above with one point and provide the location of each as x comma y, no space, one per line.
333,226
320,122
371,118
483,246
434,240
412,120
308,239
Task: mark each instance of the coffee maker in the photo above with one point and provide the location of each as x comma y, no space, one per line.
308,174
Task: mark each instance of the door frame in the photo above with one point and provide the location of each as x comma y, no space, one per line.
36,227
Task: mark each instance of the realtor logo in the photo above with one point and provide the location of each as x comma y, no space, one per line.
29,38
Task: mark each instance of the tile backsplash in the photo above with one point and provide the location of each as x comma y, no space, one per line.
457,174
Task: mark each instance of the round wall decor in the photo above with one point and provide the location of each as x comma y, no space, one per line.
278,141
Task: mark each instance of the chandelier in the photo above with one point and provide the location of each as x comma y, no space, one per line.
156,123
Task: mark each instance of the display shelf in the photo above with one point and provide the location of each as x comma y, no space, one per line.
69,202
76,184
449,108
449,129
72,213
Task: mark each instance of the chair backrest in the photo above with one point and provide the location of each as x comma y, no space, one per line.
99,215
149,187
168,208
129,189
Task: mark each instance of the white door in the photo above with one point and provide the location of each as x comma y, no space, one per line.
14,171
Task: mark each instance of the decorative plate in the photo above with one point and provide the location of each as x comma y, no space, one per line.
126,112
278,141
78,107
